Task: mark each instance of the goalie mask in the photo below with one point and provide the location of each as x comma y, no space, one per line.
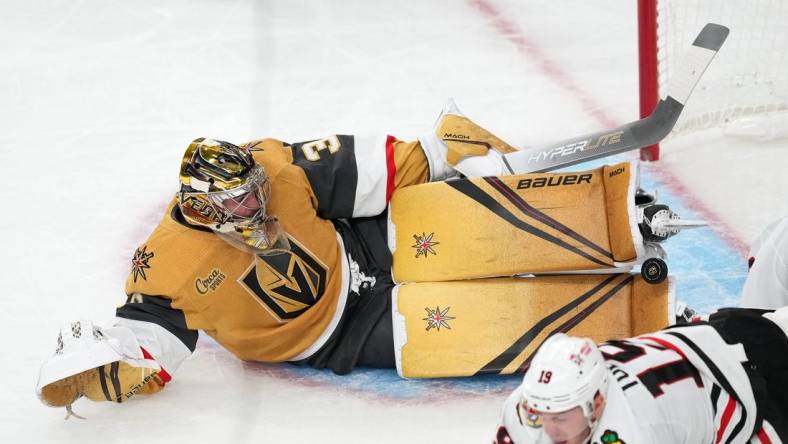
560,387
222,188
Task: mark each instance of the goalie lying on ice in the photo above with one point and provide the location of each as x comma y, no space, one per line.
280,252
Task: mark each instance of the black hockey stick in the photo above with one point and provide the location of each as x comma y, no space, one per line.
638,134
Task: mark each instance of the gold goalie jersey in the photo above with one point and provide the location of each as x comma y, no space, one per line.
271,307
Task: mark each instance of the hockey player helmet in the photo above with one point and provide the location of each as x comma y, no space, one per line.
565,374
222,188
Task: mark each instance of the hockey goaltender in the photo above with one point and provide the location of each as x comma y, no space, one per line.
281,253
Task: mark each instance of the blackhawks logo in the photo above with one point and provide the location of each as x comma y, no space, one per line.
140,262
424,244
611,437
437,318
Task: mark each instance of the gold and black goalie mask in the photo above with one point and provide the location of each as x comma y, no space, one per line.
222,188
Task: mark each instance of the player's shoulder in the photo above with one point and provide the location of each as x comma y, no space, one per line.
775,235
619,422
170,255
272,154
302,163
278,158
330,150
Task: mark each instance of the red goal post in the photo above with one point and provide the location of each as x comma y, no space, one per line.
647,70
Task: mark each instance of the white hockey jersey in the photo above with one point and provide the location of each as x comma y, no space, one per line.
767,282
681,385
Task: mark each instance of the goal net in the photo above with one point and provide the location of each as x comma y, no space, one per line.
745,90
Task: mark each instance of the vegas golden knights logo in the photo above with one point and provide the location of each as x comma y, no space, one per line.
288,283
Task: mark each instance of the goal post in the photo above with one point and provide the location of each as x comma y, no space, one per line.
647,67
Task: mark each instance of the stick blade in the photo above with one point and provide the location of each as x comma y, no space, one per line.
695,61
712,36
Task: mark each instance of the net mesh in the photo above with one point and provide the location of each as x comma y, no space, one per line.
748,78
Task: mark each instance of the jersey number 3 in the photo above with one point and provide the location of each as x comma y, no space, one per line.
312,149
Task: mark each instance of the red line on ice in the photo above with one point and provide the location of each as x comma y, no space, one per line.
525,46
529,48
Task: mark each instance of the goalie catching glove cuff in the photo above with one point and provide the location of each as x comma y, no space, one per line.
101,364
115,382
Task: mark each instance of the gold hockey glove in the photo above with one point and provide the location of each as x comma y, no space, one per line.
464,139
115,382
457,144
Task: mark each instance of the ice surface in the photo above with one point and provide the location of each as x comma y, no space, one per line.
101,98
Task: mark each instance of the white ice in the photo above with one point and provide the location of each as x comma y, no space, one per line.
100,98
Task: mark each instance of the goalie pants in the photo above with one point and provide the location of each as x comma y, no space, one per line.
364,335
766,346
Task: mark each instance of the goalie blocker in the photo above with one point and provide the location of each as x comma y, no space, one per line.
509,225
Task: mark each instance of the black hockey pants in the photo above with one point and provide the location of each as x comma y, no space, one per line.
364,334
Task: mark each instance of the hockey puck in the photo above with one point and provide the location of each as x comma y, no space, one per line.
654,270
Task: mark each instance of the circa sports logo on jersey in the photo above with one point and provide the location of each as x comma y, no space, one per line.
209,283
424,244
288,283
140,262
